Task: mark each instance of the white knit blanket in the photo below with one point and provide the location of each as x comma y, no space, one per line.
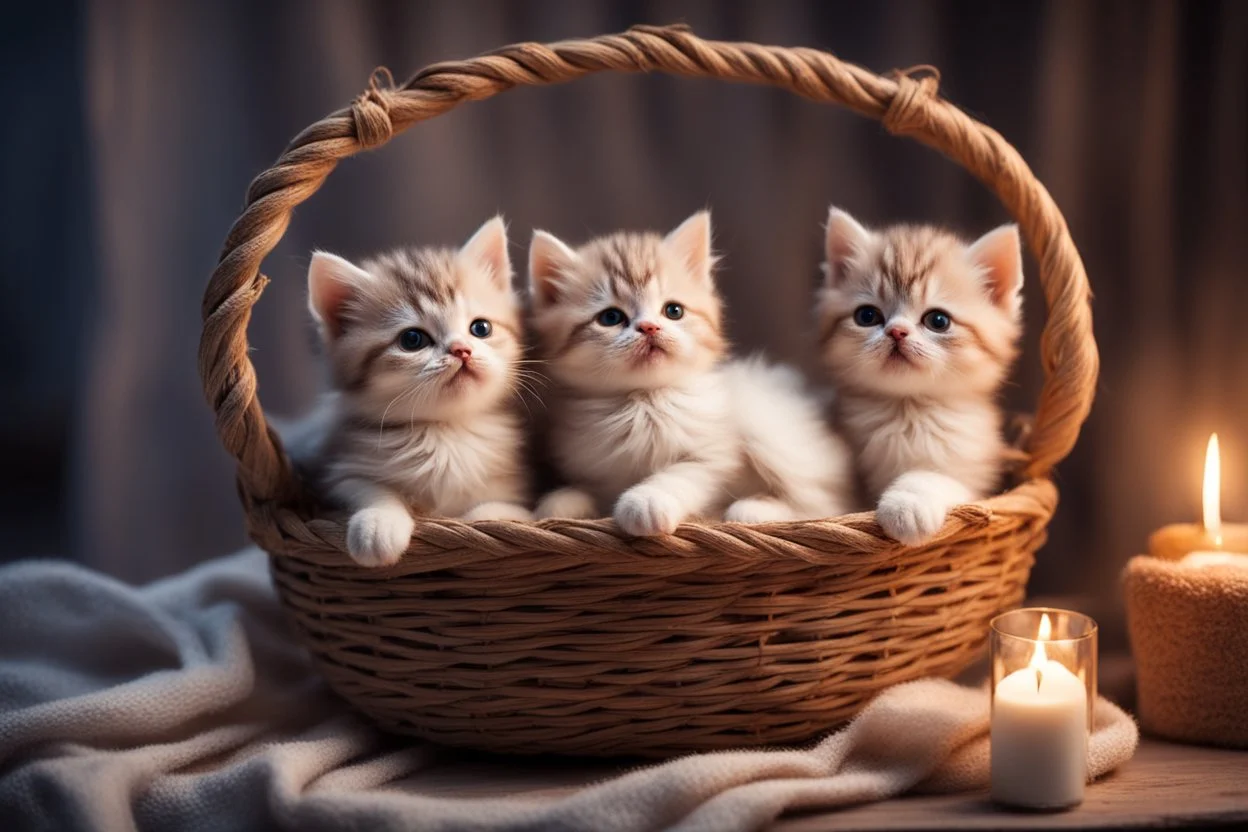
187,705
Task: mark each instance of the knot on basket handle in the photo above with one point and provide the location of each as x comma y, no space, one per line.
907,112
371,110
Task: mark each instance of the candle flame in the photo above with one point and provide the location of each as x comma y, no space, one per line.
1038,656
1213,491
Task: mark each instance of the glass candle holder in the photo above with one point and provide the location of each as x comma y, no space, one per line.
1043,691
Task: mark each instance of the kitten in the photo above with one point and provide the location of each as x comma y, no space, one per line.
424,345
648,418
919,330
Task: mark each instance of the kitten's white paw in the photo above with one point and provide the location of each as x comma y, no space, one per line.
498,510
759,510
644,511
567,504
378,536
910,517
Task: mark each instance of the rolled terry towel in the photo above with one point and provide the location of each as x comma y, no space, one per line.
187,705
1189,636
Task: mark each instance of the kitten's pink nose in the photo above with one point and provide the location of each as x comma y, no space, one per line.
647,327
898,333
461,351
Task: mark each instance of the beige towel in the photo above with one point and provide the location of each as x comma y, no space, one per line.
186,705
1189,636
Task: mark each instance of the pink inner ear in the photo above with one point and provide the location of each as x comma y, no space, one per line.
549,260
488,248
999,253
331,281
845,239
840,247
545,286
691,242
330,297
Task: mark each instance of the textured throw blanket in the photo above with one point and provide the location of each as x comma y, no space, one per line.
187,705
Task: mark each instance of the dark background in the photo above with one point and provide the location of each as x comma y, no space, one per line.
133,128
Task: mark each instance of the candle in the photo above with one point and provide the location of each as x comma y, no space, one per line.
1041,711
1200,559
1213,543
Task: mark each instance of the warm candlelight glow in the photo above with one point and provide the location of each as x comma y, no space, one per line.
1041,710
1039,656
1179,541
1213,492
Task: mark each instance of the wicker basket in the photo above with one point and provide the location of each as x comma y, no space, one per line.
566,636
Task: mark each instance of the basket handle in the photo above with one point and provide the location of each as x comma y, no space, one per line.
906,106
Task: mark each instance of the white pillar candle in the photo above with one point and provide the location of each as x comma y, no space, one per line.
1039,735
1199,559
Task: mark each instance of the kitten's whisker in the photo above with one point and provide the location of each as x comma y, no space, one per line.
539,381
526,385
524,403
381,427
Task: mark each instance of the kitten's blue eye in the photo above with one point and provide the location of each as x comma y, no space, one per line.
612,317
674,311
868,316
480,328
414,339
937,320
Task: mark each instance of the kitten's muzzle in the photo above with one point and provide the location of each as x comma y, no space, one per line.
650,348
898,333
467,369
900,354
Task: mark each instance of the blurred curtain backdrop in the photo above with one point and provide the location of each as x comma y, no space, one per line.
1133,114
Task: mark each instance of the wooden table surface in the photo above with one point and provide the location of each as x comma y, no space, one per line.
1164,785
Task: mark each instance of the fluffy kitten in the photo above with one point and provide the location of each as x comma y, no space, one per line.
424,346
647,418
919,330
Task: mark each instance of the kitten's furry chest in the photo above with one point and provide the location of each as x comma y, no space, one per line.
442,469
893,436
614,442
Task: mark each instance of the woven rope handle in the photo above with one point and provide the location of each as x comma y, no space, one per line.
906,106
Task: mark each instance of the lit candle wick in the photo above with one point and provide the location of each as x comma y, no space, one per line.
1040,656
1213,492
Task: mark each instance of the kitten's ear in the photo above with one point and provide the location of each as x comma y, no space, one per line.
999,255
844,241
487,248
331,281
691,242
550,266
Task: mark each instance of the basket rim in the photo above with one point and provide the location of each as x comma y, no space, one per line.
442,543
906,106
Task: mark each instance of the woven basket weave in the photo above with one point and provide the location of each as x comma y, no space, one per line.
566,636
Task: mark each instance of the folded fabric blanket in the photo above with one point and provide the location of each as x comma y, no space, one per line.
187,705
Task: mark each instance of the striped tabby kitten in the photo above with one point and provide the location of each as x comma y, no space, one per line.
424,346
647,418
919,330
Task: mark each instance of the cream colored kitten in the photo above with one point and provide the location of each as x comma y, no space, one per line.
647,420
919,330
424,345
